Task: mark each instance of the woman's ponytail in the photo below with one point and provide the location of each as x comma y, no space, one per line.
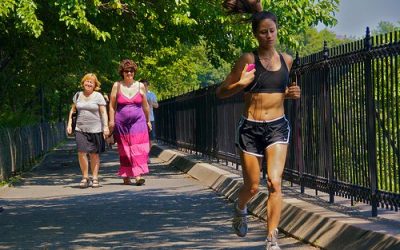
250,6
242,6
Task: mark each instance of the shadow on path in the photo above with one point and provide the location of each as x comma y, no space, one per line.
171,211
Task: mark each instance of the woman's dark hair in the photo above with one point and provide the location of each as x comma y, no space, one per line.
250,6
259,16
125,65
145,81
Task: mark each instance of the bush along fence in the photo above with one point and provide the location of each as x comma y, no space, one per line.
21,147
345,128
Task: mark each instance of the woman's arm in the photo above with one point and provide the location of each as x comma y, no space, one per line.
145,105
69,124
293,90
113,106
238,78
104,120
154,103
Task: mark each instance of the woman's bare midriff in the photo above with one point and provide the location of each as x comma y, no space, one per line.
263,106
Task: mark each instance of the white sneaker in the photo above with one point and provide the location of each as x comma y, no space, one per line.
272,242
239,222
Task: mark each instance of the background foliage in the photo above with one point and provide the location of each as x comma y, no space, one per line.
180,45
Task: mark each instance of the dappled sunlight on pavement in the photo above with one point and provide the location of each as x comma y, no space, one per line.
171,211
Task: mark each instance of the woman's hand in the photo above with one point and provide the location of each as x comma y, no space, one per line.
149,126
238,79
293,91
247,77
106,132
69,129
111,126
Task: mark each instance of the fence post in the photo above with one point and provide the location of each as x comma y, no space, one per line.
42,109
297,129
13,157
214,105
371,126
327,124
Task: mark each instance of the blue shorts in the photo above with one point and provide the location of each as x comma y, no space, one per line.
253,137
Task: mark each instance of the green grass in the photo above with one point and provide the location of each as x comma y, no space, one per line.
12,181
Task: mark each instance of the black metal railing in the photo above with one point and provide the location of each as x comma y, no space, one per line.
21,147
345,128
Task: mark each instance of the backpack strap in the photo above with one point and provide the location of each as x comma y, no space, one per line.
76,96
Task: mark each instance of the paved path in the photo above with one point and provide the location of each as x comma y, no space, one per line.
172,211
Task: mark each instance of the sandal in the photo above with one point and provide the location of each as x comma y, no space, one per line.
127,181
85,182
95,183
140,181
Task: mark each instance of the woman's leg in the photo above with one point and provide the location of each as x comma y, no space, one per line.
251,178
276,157
95,165
83,163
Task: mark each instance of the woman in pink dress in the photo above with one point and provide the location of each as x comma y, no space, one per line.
129,121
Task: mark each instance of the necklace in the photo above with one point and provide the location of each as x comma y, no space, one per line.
267,57
266,62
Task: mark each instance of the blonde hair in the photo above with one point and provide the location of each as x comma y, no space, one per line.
97,84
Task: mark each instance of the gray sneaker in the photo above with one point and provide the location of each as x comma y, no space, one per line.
239,222
272,242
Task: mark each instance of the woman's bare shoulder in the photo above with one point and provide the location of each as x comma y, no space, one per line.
247,57
286,56
288,59
115,85
244,59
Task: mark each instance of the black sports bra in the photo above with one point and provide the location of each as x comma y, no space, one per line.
266,81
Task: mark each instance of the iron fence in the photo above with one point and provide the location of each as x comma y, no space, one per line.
21,147
345,128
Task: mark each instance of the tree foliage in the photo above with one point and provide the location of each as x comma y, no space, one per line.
384,27
47,46
312,41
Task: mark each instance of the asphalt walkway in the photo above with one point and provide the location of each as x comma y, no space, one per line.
172,210
333,226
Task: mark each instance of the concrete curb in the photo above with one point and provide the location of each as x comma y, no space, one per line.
316,225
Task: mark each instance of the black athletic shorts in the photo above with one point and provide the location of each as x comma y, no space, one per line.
253,137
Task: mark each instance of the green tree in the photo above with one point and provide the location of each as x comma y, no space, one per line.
384,27
312,41
181,68
47,46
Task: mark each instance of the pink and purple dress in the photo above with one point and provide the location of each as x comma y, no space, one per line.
132,136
